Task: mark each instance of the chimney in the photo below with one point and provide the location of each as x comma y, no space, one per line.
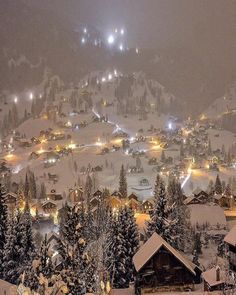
217,273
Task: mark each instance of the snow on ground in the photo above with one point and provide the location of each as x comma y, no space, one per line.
221,137
211,214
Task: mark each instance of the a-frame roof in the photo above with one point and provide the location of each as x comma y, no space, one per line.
151,247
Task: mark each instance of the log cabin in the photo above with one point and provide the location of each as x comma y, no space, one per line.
159,267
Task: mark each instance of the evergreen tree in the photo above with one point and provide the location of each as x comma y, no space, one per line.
41,265
218,185
77,263
116,257
32,186
13,254
3,225
123,183
195,258
26,187
179,214
43,193
163,157
209,149
197,244
88,190
129,231
160,222
28,241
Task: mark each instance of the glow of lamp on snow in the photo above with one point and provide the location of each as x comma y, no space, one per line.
83,40
104,79
203,117
40,95
116,30
137,50
122,32
43,140
109,77
31,96
187,177
41,151
72,146
115,72
68,124
121,47
110,39
85,30
16,99
156,147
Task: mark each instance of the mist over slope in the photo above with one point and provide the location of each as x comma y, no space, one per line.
34,37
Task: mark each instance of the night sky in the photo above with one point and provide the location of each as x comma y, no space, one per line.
158,23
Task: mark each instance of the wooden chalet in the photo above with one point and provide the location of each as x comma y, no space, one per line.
54,196
213,280
114,202
49,207
133,202
76,195
147,206
159,267
230,240
200,196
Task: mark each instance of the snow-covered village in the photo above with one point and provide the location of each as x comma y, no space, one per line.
117,147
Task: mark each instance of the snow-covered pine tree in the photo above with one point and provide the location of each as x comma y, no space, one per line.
116,256
42,194
160,221
218,185
129,230
179,215
27,240
32,185
163,157
76,261
123,182
26,186
197,244
13,254
42,264
88,190
3,225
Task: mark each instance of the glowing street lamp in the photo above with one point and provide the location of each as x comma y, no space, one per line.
31,96
85,30
15,99
83,40
111,39
121,47
122,31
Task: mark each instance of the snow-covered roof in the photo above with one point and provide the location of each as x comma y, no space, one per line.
197,191
7,288
230,238
153,244
210,277
188,200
